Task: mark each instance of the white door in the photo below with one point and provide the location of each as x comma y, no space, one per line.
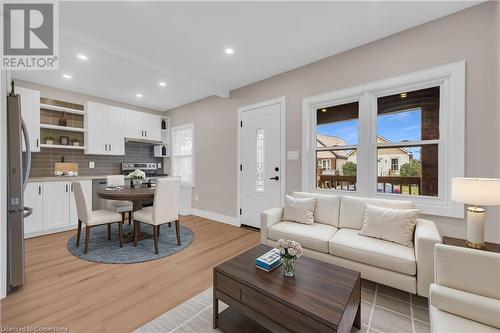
33,199
260,170
116,131
55,205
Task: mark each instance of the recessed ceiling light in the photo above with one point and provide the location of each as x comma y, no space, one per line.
82,57
229,51
162,84
403,95
67,76
323,110
138,95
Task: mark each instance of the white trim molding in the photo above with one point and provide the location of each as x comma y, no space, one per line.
282,102
451,80
216,217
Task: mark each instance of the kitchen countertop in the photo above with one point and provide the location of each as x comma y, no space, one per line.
67,178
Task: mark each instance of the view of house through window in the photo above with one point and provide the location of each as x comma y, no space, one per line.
337,129
182,153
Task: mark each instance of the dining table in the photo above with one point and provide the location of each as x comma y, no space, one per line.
138,196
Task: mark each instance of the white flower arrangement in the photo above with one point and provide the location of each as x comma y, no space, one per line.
289,249
137,174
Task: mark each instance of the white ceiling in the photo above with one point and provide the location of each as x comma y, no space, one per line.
131,46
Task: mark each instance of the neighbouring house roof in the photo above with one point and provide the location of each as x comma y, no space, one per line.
381,139
330,141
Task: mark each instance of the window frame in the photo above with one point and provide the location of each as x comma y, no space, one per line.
451,154
192,155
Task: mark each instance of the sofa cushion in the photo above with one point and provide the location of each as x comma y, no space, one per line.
352,209
299,209
349,244
395,225
311,236
327,207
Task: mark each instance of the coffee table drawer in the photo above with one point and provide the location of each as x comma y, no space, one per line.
228,286
287,317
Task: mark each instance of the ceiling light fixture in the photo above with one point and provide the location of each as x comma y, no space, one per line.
403,95
67,76
323,110
162,84
229,51
138,95
82,57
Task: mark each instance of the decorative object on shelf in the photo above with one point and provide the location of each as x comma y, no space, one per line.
289,250
49,139
76,142
137,176
476,191
269,260
62,120
64,140
163,124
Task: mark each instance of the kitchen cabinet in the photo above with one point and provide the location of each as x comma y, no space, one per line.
105,130
30,112
54,206
33,199
142,126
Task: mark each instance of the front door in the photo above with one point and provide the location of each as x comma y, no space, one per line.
260,169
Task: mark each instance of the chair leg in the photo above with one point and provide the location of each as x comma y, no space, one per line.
170,224
109,231
136,232
87,236
129,218
78,233
155,235
120,233
178,232
123,217
158,230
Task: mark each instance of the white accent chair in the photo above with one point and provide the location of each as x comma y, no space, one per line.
334,237
466,294
93,218
118,206
165,209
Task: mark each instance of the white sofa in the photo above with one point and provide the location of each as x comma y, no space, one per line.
334,237
466,294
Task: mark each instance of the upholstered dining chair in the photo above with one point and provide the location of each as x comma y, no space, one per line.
93,218
165,209
122,207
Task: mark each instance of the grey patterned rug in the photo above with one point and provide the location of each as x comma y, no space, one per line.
107,251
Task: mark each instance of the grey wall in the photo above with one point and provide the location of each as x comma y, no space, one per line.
470,35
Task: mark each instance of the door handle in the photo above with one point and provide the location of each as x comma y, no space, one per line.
275,178
145,133
110,147
105,147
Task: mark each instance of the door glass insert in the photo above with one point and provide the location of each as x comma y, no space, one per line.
259,160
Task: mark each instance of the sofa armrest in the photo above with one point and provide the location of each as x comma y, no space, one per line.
426,236
268,218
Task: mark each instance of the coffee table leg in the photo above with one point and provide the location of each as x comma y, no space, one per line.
216,310
357,319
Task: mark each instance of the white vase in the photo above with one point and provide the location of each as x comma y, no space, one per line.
136,183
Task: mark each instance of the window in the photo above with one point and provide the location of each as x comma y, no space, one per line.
400,138
259,160
182,164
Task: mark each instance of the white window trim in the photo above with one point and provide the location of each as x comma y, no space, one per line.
172,156
451,78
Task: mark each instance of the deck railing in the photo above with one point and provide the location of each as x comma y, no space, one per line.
386,184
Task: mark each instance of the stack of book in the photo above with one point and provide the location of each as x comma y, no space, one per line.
269,260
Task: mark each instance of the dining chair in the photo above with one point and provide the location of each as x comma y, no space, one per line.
93,218
122,207
165,209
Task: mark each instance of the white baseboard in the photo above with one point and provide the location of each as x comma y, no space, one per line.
216,217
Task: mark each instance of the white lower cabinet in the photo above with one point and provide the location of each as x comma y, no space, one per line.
54,206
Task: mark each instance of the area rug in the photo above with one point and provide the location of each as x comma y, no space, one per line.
383,309
107,251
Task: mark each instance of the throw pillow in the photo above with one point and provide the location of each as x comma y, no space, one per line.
299,210
395,225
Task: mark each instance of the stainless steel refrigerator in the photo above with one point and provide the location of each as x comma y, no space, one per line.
18,166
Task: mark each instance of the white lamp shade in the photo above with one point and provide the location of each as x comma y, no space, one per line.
476,191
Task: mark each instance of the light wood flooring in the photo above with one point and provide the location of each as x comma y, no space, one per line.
62,290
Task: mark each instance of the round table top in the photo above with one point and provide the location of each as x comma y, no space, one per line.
127,193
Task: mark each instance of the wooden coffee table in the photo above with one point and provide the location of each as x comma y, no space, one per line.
320,298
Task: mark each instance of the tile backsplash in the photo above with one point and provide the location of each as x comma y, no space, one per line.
42,163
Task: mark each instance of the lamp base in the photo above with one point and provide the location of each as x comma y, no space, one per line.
475,227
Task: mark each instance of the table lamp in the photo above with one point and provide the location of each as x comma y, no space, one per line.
476,191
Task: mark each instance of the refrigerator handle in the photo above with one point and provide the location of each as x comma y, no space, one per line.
27,156
28,211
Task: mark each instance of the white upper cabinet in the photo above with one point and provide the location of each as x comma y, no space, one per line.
105,130
142,126
30,111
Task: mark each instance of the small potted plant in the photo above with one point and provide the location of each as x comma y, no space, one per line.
49,139
137,177
289,250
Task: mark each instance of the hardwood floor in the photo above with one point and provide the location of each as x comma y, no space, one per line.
62,290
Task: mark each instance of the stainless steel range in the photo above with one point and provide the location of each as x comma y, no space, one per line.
150,169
